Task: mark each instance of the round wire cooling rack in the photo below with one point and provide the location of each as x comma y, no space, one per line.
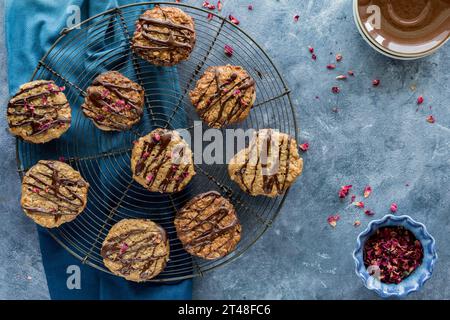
101,43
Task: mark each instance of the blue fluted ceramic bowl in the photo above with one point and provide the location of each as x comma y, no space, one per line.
417,278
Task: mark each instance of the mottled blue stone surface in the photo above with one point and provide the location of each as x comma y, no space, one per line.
377,137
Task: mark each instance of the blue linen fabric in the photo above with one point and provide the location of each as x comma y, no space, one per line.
32,26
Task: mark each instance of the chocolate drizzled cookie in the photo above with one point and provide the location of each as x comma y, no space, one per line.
136,249
269,166
164,36
162,161
114,102
39,112
224,95
208,226
53,193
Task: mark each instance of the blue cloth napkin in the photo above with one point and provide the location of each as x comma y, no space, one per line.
31,28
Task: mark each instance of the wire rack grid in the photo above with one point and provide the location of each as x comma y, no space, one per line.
102,43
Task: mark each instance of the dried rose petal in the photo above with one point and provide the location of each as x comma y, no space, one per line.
333,219
420,100
358,204
210,16
35,190
367,191
233,19
338,57
105,94
331,66
431,119
250,7
123,248
304,146
296,17
394,207
311,49
62,159
369,212
343,192
62,88
156,137
145,155
357,223
375,82
341,77
352,199
350,73
314,57
208,5
228,50
335,89
219,5
149,178
44,100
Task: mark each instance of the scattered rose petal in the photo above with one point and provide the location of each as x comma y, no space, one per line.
350,73
208,5
123,248
314,57
62,159
296,17
338,57
35,190
233,19
343,192
304,146
156,137
331,66
62,88
420,100
219,5
394,207
228,50
341,77
431,119
311,49
357,223
145,155
352,199
236,92
367,191
335,89
376,82
333,219
358,204
250,7
149,178
210,16
369,212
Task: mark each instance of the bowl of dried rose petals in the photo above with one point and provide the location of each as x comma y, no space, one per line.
395,256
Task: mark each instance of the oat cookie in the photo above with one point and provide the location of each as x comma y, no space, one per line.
269,166
114,102
208,226
53,193
164,36
136,249
39,112
162,161
224,95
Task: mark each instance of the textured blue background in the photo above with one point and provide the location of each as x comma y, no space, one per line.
376,138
